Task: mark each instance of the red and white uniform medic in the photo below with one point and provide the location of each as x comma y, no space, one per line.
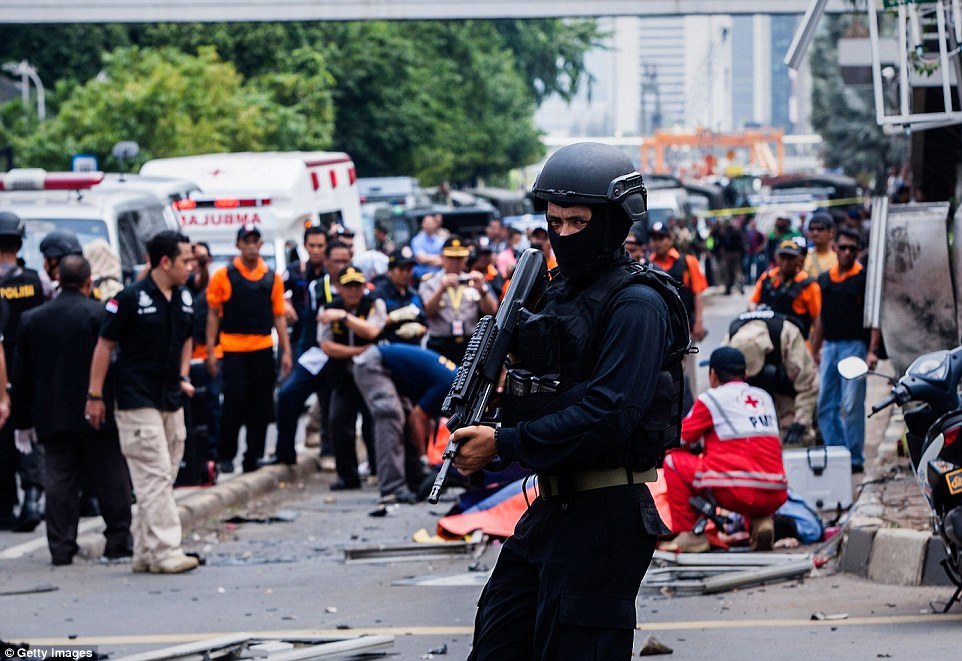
742,457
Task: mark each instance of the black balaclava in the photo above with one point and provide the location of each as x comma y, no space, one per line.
585,253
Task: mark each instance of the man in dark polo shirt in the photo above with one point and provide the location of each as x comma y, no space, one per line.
151,322
405,312
838,334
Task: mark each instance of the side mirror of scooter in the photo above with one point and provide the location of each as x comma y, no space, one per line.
854,367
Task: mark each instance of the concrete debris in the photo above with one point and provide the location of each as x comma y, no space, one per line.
652,646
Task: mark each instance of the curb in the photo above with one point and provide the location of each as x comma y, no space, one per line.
205,503
871,547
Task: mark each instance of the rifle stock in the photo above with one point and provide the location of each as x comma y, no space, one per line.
479,372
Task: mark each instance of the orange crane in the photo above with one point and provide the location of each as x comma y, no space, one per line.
758,141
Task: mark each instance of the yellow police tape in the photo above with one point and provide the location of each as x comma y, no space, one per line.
743,211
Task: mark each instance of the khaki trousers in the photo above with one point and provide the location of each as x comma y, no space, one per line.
152,442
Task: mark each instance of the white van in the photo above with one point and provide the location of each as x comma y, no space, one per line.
170,189
667,203
71,201
280,192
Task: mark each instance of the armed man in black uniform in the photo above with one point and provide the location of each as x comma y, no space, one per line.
21,289
606,349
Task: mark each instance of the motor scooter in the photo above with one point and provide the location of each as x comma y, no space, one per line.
928,394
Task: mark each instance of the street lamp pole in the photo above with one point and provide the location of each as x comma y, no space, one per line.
26,71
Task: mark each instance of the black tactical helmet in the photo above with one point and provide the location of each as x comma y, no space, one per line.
11,225
592,173
60,243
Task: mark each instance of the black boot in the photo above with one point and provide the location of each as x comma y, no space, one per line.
30,514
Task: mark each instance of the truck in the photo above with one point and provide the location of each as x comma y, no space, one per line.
281,193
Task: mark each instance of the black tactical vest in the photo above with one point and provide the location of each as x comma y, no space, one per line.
21,290
249,310
677,271
340,330
780,299
772,378
338,369
562,341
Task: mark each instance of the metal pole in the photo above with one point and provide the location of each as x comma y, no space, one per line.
876,62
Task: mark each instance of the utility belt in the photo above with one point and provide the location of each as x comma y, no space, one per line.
521,383
552,486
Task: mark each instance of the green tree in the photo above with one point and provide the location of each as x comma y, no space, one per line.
62,52
550,53
172,104
436,99
845,116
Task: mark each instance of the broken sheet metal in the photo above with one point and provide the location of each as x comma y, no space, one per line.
413,551
917,306
708,573
235,647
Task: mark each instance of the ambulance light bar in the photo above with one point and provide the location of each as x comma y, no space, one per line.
40,179
222,203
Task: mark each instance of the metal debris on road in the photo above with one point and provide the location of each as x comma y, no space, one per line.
708,573
46,587
829,616
273,648
412,551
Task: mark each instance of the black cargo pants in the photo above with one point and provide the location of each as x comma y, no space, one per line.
565,583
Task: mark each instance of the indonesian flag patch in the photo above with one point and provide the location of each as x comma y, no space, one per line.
112,306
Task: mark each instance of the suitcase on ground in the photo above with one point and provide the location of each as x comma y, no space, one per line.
821,475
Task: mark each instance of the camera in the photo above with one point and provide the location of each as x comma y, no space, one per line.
464,278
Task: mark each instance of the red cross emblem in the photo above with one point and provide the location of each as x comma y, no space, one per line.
751,401
215,172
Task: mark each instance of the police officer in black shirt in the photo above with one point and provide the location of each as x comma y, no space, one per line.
605,349
150,323
20,289
405,324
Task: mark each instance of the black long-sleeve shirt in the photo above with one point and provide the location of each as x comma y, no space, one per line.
592,432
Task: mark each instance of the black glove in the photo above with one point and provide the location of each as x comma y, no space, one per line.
794,434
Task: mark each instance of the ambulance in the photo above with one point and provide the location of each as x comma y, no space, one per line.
281,193
73,201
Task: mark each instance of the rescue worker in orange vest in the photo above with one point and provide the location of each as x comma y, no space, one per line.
740,461
246,300
787,289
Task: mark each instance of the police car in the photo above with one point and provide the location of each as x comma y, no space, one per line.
49,201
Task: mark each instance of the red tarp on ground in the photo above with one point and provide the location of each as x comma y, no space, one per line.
498,514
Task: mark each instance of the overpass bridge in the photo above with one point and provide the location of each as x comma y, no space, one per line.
189,11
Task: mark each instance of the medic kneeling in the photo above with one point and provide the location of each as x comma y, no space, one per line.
740,463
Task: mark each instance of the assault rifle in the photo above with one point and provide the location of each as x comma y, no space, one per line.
467,402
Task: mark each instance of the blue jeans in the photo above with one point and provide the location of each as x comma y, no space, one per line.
841,403
295,390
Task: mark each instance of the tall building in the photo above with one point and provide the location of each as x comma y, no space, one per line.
661,49
717,72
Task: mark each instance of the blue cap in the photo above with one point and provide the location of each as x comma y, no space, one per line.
726,359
